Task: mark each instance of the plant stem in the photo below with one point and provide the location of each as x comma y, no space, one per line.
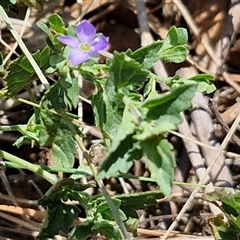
23,47
32,167
95,173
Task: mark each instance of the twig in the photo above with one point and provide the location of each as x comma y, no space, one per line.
21,34
222,147
228,35
18,221
7,185
37,214
204,42
146,37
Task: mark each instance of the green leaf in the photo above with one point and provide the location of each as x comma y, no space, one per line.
58,138
124,149
20,72
102,208
81,171
175,37
84,230
174,48
30,132
44,27
134,201
207,88
56,23
6,4
205,84
147,56
147,130
167,106
160,161
175,54
222,230
125,71
109,229
120,158
63,94
65,190
230,201
59,218
230,205
32,3
103,221
107,115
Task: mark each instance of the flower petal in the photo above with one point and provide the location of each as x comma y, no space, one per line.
99,43
69,41
77,56
85,32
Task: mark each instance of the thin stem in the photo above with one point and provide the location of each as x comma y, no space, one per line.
32,167
24,48
86,173
31,95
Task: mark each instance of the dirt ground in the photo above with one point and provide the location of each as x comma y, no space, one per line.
214,44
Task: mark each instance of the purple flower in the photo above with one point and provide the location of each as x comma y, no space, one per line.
85,44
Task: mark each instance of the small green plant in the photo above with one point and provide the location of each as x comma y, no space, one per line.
227,224
134,123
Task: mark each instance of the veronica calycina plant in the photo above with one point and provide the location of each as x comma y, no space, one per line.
134,123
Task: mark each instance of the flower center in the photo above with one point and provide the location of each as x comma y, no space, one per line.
85,47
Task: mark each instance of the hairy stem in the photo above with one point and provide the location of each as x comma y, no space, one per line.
32,167
95,173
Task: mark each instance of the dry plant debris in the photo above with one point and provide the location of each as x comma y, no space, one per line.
207,143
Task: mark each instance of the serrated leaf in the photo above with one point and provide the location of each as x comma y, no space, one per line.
56,23
205,84
174,48
175,54
58,138
29,132
59,218
207,88
120,159
102,208
230,201
107,115
229,204
167,106
109,229
83,231
134,201
125,71
147,130
21,71
223,230
63,94
160,161
124,149
147,56
175,37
